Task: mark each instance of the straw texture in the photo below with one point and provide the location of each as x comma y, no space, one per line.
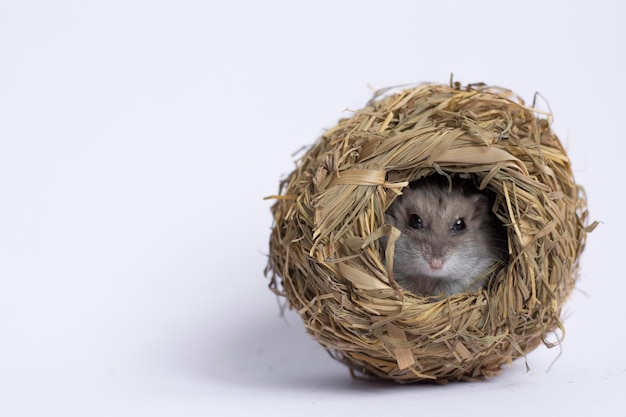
327,259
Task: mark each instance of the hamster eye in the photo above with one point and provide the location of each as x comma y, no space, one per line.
415,221
458,225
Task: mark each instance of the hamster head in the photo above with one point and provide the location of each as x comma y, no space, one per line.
449,238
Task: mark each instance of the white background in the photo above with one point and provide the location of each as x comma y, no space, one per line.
138,139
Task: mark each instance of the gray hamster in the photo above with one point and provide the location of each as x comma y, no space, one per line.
450,240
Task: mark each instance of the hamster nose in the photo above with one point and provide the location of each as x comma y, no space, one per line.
435,263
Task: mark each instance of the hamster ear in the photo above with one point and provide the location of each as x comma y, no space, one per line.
480,201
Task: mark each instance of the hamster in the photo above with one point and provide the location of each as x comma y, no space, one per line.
450,240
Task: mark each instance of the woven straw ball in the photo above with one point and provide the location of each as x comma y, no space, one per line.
327,258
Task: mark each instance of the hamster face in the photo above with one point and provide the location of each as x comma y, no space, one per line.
449,239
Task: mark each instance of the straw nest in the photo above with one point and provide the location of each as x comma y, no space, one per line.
327,258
